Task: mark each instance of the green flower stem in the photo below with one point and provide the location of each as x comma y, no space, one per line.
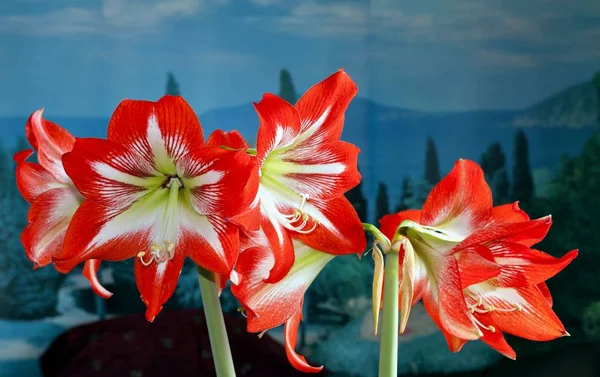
216,324
388,350
375,232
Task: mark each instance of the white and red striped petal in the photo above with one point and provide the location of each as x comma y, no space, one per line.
494,339
159,132
32,179
210,241
110,174
270,305
323,171
522,266
460,203
444,298
279,126
322,109
523,311
90,271
389,224
290,334
232,139
338,229
508,213
526,233
157,282
220,182
51,142
49,217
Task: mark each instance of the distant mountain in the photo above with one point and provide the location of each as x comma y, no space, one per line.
573,107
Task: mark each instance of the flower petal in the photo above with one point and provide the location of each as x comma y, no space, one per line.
270,305
461,202
323,171
32,179
444,298
495,339
210,241
90,271
49,217
522,266
526,233
109,173
232,139
322,109
279,125
218,181
157,282
281,246
338,229
508,213
160,132
389,224
290,334
543,288
534,320
455,343
100,232
51,142
474,268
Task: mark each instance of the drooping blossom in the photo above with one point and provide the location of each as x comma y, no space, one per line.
270,305
473,264
304,171
155,193
51,194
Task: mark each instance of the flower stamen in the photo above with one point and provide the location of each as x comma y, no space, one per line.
158,253
300,215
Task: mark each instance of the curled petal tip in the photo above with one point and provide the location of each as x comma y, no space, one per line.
151,313
377,286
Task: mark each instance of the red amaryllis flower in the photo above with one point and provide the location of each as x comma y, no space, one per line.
473,265
51,193
305,170
270,305
154,192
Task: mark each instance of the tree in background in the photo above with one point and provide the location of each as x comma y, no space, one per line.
597,85
522,179
382,205
287,91
172,85
493,163
432,166
358,201
407,196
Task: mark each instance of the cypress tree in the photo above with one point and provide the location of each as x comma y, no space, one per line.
432,166
522,180
382,202
493,163
597,85
407,196
172,85
287,91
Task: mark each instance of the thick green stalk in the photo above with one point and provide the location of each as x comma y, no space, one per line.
388,350
216,324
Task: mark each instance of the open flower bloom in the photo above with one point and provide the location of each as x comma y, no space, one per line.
270,305
473,265
305,170
51,193
153,191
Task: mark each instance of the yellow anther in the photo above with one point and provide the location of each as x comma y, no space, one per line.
242,312
491,328
489,308
519,307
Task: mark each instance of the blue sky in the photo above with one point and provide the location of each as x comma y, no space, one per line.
81,57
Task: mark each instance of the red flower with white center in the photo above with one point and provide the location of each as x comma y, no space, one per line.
473,264
305,170
270,305
154,192
51,193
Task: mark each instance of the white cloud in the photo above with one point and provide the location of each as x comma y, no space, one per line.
114,17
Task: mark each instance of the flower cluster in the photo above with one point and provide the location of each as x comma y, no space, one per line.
270,218
153,190
473,265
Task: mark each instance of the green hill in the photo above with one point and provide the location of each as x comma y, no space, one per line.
574,107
